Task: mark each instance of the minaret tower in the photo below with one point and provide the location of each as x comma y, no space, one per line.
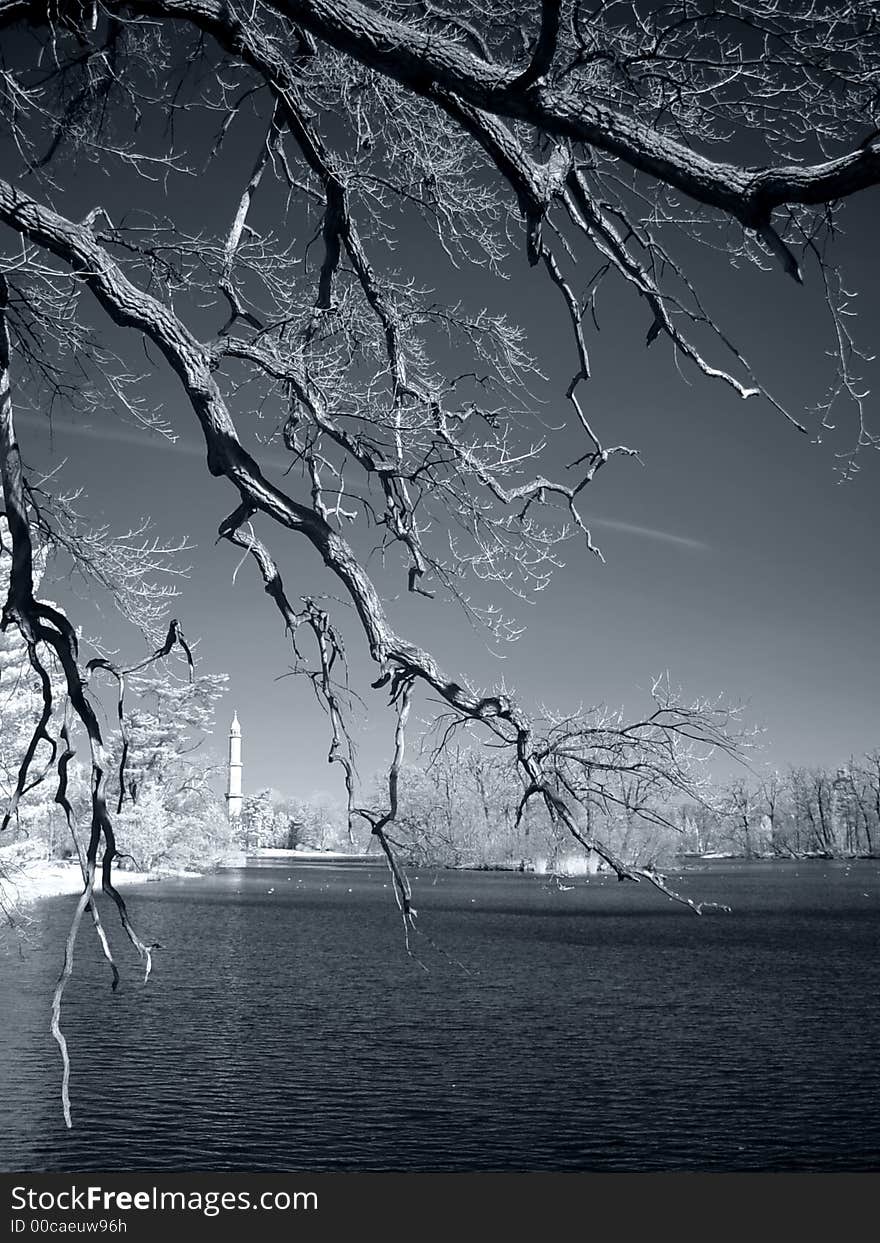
233,788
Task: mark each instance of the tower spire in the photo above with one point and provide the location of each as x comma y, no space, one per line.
233,784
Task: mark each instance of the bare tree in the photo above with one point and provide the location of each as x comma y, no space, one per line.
812,795
601,139
869,798
771,799
740,805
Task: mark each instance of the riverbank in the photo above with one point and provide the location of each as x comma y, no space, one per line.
26,878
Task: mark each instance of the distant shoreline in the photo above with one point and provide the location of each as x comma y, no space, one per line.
27,881
570,865
277,852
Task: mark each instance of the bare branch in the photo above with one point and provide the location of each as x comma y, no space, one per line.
545,47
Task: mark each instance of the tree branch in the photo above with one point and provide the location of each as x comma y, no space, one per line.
545,47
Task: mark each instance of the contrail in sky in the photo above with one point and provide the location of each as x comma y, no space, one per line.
118,435
146,440
630,528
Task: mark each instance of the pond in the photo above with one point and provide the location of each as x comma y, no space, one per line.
592,1027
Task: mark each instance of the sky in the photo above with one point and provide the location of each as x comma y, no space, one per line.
734,558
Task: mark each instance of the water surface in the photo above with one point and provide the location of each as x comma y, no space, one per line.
599,1027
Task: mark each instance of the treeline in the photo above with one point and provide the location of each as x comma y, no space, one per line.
461,810
275,820
802,811
457,811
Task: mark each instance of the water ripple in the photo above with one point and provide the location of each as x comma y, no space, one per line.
599,1028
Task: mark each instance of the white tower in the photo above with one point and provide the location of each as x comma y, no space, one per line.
233,788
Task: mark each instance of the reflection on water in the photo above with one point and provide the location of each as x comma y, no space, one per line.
596,1028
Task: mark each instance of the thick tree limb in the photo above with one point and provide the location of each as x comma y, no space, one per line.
425,62
428,63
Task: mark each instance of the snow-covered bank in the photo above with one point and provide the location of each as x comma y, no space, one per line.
25,878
